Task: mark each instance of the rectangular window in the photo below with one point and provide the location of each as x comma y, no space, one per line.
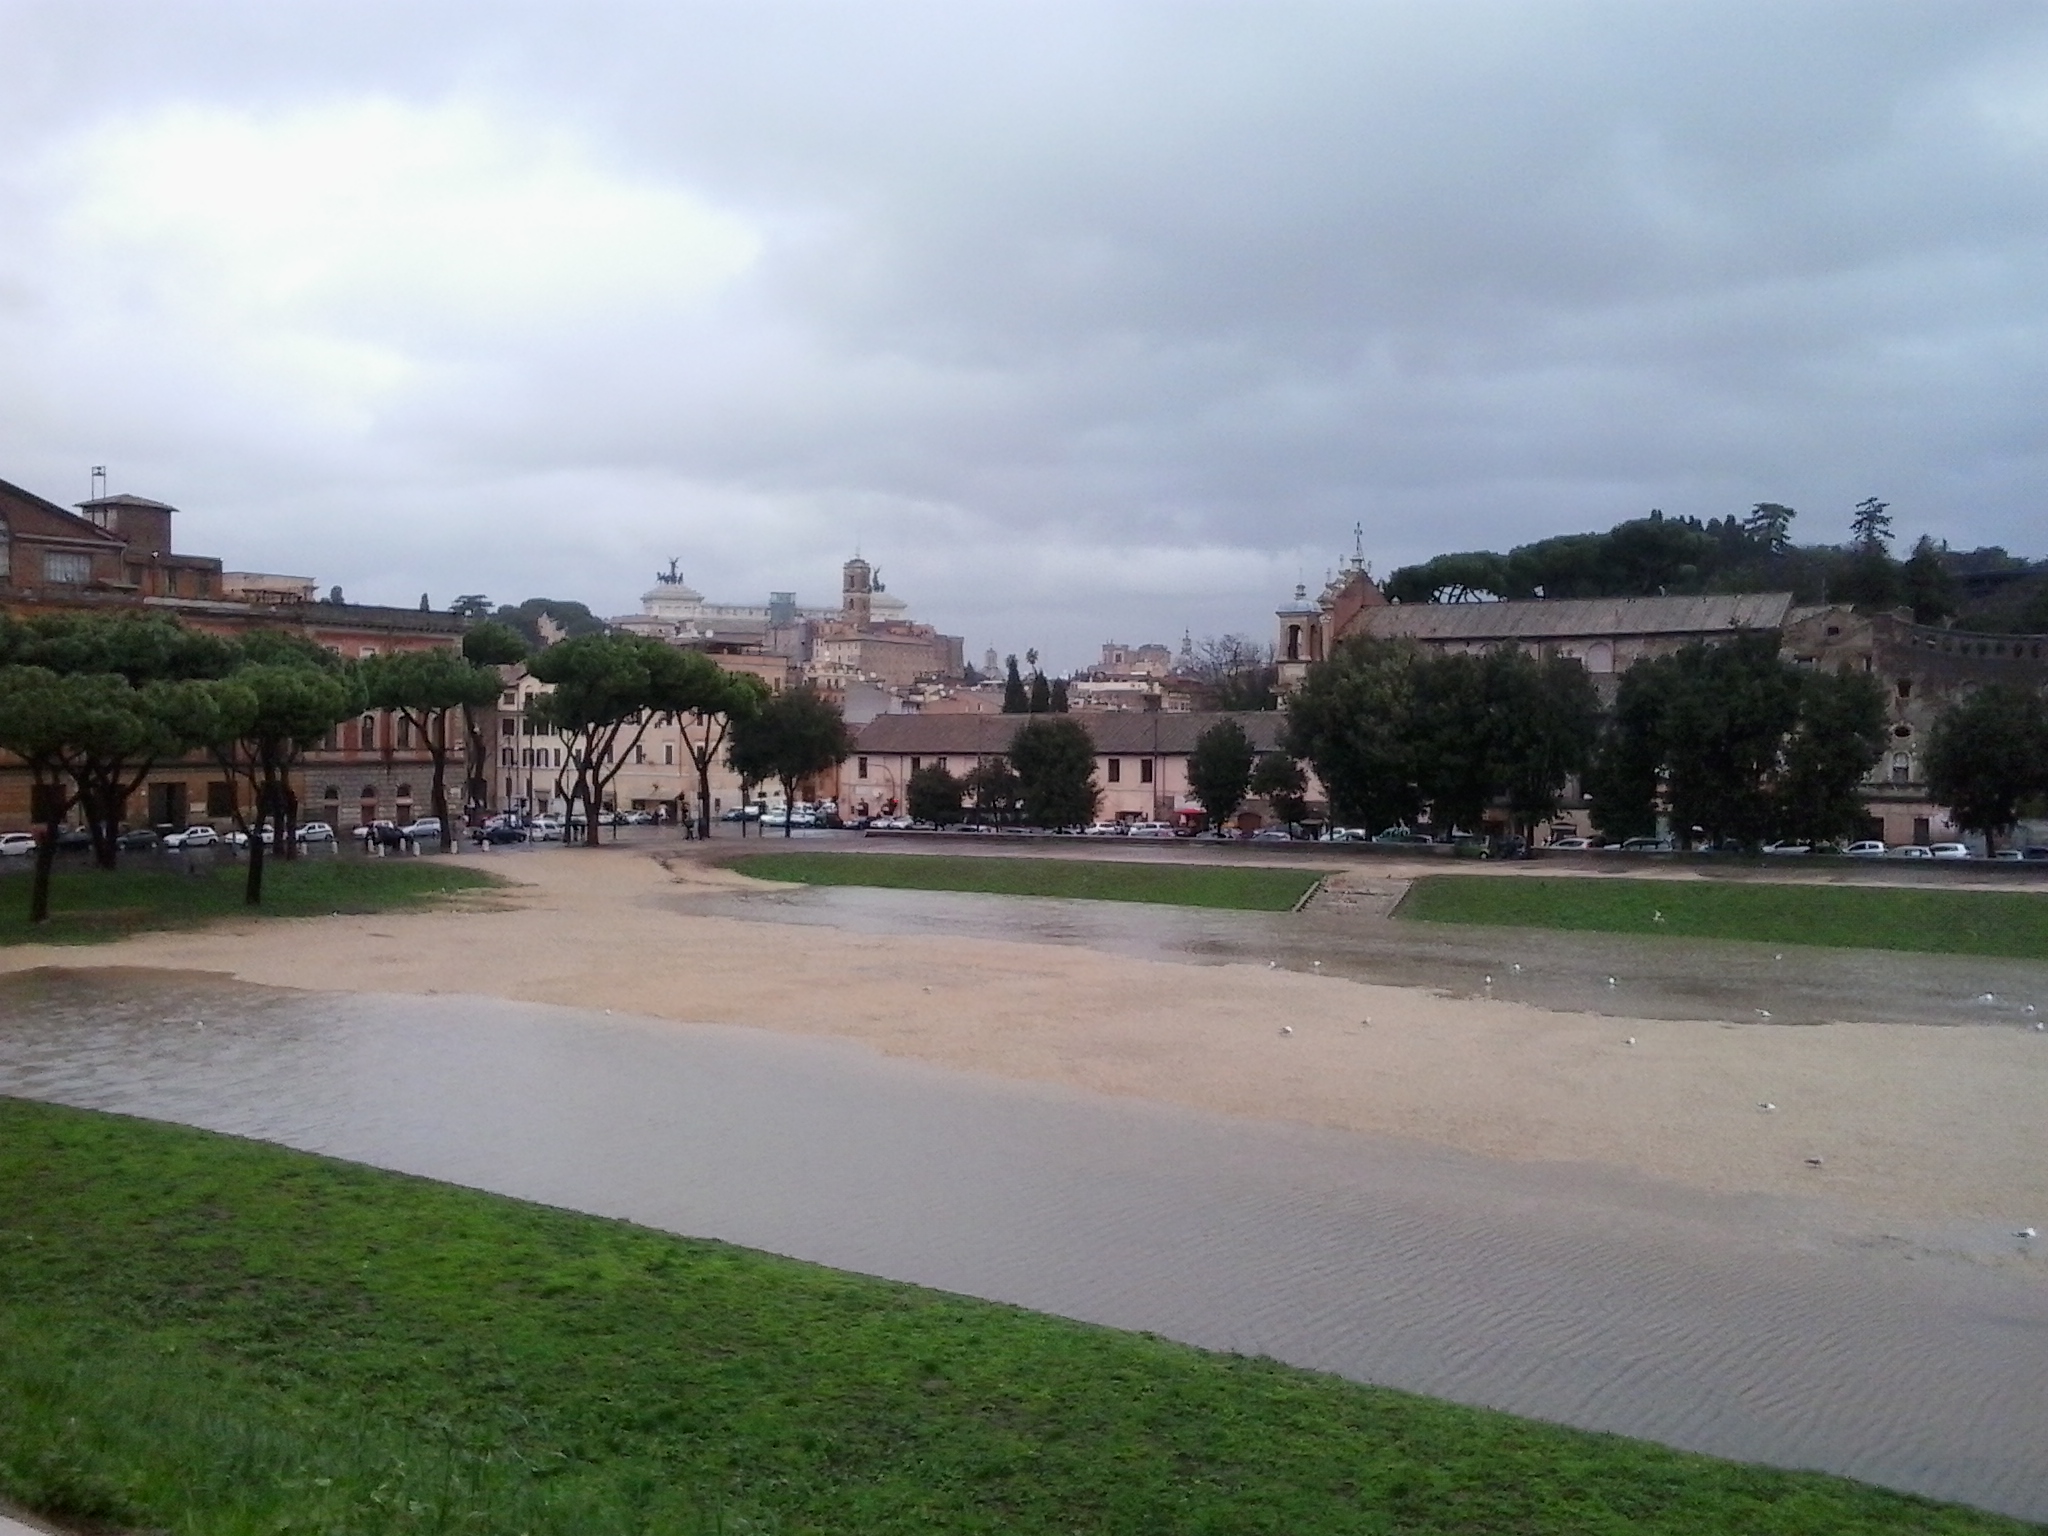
1116,770
404,732
639,754
65,567
220,798
916,763
942,765
1144,770
863,769
668,754
367,732
506,755
508,728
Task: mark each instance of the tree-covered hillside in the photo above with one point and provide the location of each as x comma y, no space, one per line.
1985,589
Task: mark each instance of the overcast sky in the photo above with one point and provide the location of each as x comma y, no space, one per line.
1080,321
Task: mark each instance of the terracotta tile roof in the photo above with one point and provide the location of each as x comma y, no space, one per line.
1576,617
1127,734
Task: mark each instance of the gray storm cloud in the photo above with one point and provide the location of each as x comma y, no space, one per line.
1082,320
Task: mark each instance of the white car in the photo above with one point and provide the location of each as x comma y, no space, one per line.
1153,829
240,839
545,829
1909,851
1788,847
1869,848
1572,844
424,828
201,836
17,843
314,832
1949,851
1103,829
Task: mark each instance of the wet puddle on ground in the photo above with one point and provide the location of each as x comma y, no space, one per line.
1745,1327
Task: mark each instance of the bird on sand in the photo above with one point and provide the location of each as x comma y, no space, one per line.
1272,965
1286,1029
2026,1234
1986,997
1767,1108
1813,1162
1610,981
1631,1039
1763,1013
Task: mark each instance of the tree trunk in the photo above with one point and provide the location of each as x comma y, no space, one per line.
102,813
46,859
439,752
703,795
788,807
288,820
252,891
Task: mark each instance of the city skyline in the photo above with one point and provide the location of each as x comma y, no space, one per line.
1080,320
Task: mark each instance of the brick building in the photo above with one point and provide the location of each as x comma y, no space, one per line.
115,554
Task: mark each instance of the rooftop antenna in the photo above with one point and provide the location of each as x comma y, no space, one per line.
99,481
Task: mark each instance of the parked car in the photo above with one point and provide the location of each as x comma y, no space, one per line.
1788,845
545,829
1651,845
1949,851
426,827
369,830
2008,855
16,844
74,837
1908,851
2035,854
201,836
1572,844
1398,835
313,832
136,838
240,839
1869,848
1103,829
1151,829
1272,835
500,832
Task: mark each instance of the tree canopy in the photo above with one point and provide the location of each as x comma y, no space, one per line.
424,687
605,691
1739,743
1055,762
1220,771
934,795
1987,755
794,736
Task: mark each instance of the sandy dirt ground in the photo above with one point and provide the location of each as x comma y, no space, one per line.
1929,1125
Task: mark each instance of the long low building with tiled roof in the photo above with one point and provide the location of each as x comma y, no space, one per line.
1141,759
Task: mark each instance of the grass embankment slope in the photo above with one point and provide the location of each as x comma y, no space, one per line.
94,905
208,1335
2011,924
1245,888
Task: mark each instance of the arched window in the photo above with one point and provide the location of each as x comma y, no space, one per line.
1600,657
405,791
331,792
1902,768
1294,642
369,791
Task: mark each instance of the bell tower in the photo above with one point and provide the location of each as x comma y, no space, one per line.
856,593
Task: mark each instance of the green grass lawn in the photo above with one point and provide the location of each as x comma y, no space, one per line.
89,905
214,1337
1247,888
2007,923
